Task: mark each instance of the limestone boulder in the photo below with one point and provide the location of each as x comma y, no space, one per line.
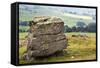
46,36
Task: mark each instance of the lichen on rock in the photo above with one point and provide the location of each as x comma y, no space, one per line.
46,36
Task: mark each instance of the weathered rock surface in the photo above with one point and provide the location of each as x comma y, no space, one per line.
46,36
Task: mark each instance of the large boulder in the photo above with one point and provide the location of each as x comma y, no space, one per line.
46,36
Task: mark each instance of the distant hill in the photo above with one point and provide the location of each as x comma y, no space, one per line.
70,16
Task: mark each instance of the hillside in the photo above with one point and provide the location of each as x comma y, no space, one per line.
69,16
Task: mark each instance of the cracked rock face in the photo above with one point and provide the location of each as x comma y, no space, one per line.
46,36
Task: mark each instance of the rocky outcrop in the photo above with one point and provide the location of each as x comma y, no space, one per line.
46,36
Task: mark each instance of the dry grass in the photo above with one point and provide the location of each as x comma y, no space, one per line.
79,48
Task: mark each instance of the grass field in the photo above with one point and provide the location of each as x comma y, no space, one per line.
22,35
79,48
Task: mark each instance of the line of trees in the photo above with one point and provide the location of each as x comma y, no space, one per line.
23,23
23,30
81,27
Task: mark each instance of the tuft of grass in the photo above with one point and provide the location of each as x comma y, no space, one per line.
22,50
22,35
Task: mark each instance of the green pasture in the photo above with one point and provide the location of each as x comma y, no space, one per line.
78,48
22,35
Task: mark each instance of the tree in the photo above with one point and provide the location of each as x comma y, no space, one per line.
80,24
74,28
67,28
91,27
24,23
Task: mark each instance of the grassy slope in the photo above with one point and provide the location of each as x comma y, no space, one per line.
68,20
78,49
